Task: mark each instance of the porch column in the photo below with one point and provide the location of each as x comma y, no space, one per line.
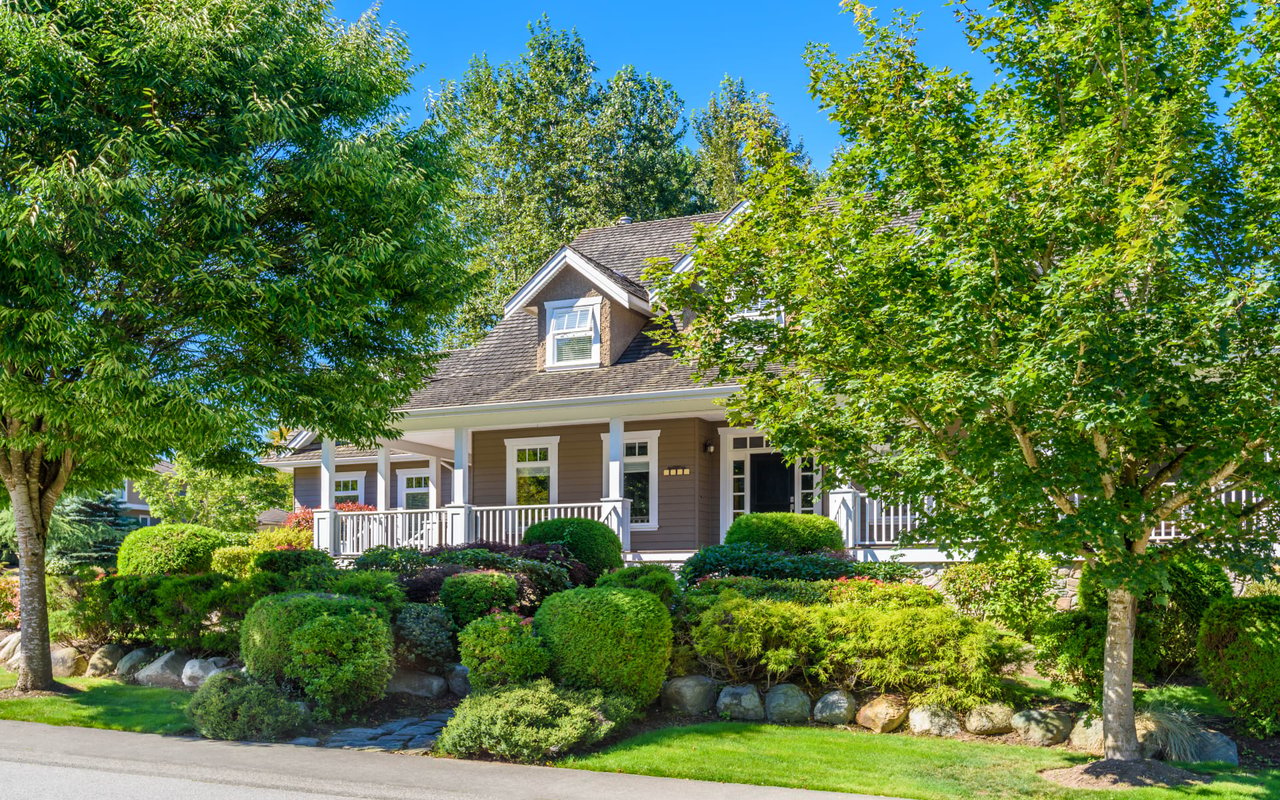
384,478
616,511
460,509
844,505
324,526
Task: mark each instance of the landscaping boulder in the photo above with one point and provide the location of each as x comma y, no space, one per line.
1087,734
933,721
991,719
835,708
198,670
136,660
416,684
459,680
1043,728
883,714
67,662
690,694
165,671
105,659
9,646
741,703
786,702
1214,746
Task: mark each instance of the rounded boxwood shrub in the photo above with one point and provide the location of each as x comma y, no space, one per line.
790,533
272,538
530,724
654,578
616,640
471,595
424,634
1239,653
343,663
169,549
288,560
500,649
266,635
234,560
231,705
381,587
591,542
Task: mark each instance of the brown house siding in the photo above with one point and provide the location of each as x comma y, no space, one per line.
306,482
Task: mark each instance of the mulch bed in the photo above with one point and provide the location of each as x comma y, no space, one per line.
61,691
1110,774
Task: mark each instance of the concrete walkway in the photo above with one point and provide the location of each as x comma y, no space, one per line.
42,761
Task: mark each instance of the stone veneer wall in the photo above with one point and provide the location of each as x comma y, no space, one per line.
1066,581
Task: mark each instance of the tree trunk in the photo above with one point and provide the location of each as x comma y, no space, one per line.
1120,733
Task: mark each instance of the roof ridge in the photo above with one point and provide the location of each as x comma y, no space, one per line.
613,225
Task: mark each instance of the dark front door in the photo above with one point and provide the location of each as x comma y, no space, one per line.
771,483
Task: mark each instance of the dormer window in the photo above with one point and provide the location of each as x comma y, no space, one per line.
573,333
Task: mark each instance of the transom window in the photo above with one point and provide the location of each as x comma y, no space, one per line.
573,334
348,487
531,471
639,475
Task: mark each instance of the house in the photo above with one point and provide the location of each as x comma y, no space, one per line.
134,505
569,407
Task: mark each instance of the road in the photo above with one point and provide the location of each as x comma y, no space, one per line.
41,762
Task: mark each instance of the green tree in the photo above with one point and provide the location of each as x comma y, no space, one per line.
214,221
1049,305
732,117
552,151
216,498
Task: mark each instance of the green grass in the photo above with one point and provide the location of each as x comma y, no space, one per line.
895,765
101,703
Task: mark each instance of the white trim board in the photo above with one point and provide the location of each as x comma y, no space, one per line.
567,257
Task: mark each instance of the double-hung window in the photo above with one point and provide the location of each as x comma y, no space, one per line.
573,333
531,471
416,491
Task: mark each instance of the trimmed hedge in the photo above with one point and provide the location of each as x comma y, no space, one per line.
266,636
169,549
530,724
231,705
616,640
757,561
501,649
272,538
424,634
472,595
234,560
654,578
288,560
788,532
1239,653
343,663
591,542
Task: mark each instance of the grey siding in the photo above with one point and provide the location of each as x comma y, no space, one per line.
306,482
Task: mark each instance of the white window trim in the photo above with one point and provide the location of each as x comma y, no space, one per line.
552,443
358,477
402,476
650,438
551,306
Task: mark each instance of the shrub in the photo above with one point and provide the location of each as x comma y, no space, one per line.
530,724
231,705
343,663
304,518
272,538
1013,592
544,578
881,595
380,587
1070,647
8,601
1239,653
757,561
790,533
653,578
234,560
266,636
471,595
286,561
616,640
424,634
424,586
400,560
591,542
170,549
501,649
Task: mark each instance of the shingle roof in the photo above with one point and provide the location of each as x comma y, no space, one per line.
627,249
311,452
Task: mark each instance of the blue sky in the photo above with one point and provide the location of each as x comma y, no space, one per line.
691,44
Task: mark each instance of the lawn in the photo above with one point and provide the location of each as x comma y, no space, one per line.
101,703
896,765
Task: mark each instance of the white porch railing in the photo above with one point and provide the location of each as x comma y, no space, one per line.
350,533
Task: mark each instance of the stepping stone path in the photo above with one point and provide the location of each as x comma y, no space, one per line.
411,736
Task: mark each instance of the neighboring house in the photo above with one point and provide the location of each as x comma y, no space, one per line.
568,407
135,505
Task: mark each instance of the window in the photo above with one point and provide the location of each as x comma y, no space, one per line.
531,471
144,521
639,475
416,491
573,333
348,487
